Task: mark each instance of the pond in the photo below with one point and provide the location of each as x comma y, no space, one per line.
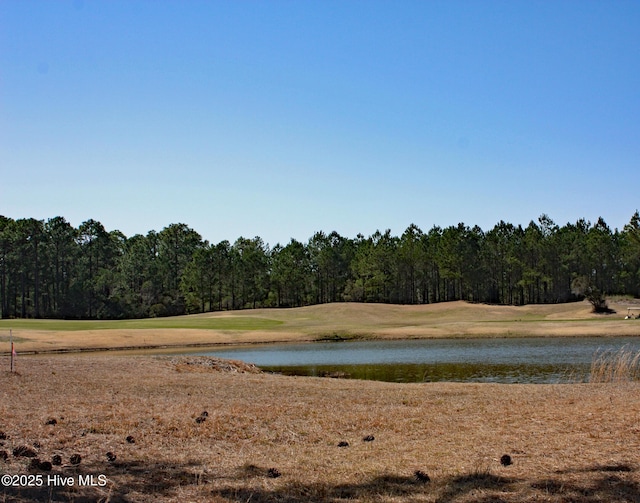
509,360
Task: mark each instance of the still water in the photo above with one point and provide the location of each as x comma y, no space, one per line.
512,360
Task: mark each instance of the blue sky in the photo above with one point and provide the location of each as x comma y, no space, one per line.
283,118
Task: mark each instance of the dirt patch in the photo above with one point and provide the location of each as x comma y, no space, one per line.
212,364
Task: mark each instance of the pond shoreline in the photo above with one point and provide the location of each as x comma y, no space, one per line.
500,360
150,349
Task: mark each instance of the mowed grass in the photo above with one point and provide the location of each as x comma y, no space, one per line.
337,321
268,438
178,322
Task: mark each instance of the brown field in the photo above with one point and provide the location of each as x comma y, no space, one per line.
335,321
270,438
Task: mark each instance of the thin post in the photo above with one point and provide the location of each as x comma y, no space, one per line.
12,350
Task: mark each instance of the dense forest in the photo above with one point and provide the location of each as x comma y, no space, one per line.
50,269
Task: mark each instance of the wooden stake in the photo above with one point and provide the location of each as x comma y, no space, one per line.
12,350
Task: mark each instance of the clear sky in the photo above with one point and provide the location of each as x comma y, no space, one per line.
283,118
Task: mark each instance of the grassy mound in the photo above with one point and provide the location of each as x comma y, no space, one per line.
339,321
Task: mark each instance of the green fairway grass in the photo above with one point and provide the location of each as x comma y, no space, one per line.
181,322
327,322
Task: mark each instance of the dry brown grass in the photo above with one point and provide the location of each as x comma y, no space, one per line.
346,320
622,365
571,442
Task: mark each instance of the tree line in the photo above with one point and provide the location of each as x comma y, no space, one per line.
50,269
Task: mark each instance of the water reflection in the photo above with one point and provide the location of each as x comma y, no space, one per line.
515,360
451,372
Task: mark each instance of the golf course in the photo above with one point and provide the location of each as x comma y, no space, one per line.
337,321
110,426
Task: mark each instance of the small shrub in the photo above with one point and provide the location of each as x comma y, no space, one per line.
582,287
